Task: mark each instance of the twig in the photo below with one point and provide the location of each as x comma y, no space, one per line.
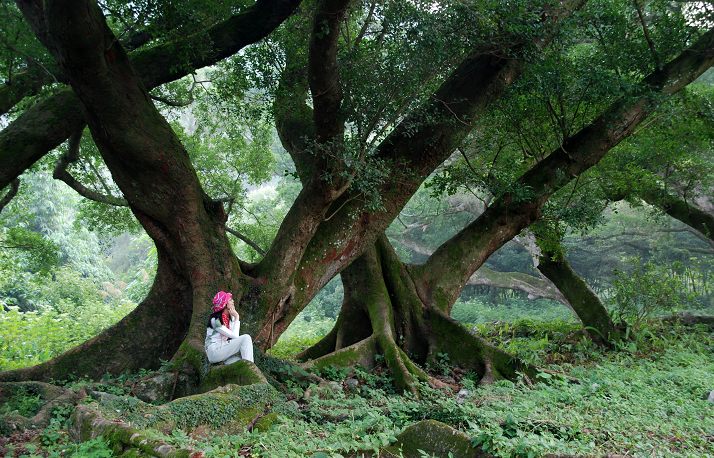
648,38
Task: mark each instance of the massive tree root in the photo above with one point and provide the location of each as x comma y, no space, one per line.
383,314
52,397
151,332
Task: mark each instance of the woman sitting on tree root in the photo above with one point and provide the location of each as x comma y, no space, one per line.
222,340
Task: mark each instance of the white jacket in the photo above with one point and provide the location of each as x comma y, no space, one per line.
219,334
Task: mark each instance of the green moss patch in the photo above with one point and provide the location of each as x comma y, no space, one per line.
229,408
238,373
434,438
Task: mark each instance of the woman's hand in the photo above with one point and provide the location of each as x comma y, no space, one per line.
232,310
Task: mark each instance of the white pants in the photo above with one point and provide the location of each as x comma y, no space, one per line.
222,351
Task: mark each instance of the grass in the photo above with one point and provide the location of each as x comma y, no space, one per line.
646,399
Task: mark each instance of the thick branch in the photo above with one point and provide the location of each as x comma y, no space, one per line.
323,72
34,14
49,123
533,286
32,80
586,304
448,269
681,210
316,147
24,84
11,193
413,149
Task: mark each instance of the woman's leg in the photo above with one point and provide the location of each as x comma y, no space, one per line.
245,343
222,351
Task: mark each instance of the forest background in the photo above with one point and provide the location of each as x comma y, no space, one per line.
72,265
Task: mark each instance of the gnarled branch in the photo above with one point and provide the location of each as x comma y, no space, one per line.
49,123
246,240
445,274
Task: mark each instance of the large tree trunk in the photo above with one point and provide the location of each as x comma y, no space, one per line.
155,174
383,314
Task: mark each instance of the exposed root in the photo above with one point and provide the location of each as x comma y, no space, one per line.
404,372
382,313
361,353
88,423
472,352
53,396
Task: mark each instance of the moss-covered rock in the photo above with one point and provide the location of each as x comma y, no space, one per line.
88,423
434,438
226,409
238,373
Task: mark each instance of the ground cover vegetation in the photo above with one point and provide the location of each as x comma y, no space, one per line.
484,214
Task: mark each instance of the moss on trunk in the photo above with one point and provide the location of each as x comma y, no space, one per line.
395,323
585,303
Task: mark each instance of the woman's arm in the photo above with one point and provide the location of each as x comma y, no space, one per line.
230,333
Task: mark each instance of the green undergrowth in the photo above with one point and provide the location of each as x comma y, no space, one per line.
475,310
300,335
646,398
23,402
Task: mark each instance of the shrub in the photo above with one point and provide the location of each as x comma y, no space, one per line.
644,290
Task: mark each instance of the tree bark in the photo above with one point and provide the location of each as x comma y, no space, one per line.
47,124
584,302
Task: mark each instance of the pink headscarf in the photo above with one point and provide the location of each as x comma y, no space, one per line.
220,300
